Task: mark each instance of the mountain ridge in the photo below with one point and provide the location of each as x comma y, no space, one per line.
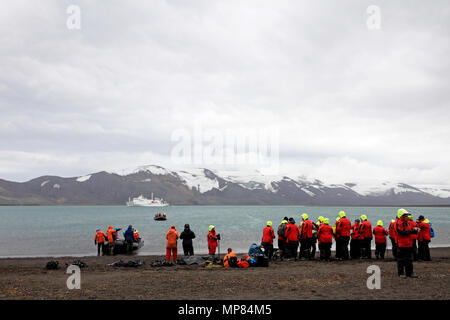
202,186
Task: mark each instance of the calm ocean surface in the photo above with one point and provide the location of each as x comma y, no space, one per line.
70,230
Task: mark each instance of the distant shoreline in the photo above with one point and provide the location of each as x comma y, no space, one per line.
233,205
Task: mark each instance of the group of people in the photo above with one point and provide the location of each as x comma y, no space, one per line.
109,238
187,235
404,234
410,239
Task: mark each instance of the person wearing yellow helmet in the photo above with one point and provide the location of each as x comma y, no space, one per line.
424,238
366,232
267,240
281,230
404,240
306,237
325,237
343,227
380,234
213,240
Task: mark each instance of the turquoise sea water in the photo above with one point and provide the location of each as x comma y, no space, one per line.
70,230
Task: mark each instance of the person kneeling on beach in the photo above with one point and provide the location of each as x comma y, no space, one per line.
99,240
171,246
325,237
230,260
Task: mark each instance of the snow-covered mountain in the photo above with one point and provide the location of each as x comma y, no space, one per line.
205,186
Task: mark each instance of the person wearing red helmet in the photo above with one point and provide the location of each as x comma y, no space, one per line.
404,240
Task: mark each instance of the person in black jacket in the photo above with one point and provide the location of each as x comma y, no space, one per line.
187,235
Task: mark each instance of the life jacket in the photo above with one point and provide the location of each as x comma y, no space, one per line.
392,233
414,225
343,227
100,236
306,229
212,239
172,237
111,234
292,233
356,234
404,228
268,235
366,229
325,234
230,260
136,236
380,234
281,231
243,263
425,232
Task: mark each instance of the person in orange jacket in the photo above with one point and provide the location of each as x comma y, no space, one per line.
325,238
99,240
424,239
355,243
366,232
112,236
171,246
292,237
213,240
380,234
230,259
267,240
405,229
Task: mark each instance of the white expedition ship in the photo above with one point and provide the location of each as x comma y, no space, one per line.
142,201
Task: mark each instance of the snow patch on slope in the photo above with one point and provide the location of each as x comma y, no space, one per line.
83,178
197,178
44,183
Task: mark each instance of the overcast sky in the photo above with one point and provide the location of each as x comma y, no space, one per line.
351,104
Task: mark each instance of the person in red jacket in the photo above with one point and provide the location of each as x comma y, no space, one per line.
281,230
325,237
292,236
342,237
366,232
380,234
99,240
213,241
267,240
404,240
424,239
392,237
355,243
306,237
414,238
